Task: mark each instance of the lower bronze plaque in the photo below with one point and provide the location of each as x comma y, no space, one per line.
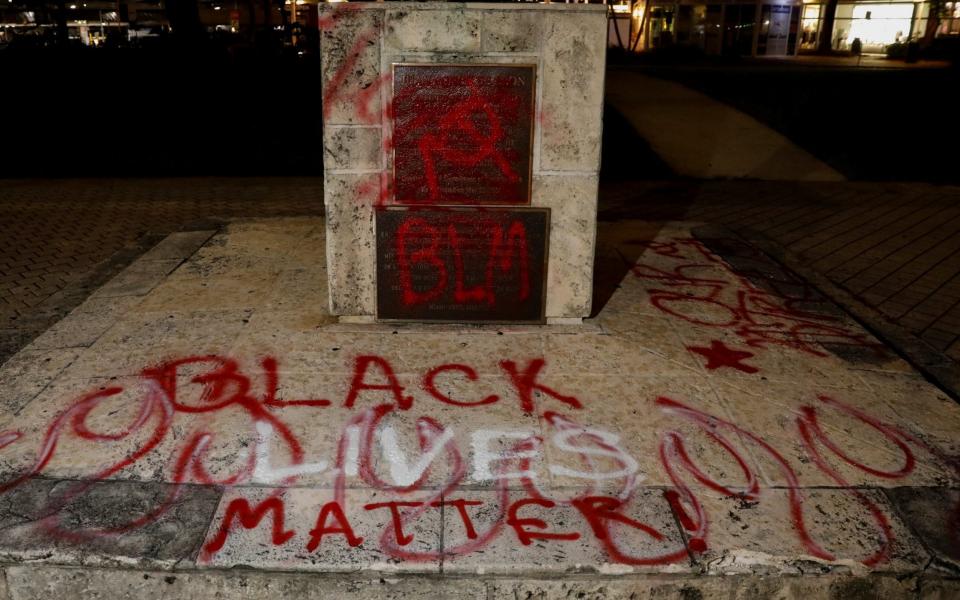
462,264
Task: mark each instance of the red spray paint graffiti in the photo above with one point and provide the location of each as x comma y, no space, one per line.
690,510
461,136
719,355
422,247
689,281
200,385
455,264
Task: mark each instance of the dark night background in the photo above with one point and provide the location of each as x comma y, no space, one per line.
250,104
160,111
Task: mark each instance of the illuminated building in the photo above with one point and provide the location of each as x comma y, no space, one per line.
782,28
102,22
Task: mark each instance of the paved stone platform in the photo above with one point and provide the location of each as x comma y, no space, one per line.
201,425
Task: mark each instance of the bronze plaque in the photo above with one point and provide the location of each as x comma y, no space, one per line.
462,264
462,134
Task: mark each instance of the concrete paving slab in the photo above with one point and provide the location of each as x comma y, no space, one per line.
299,289
185,293
89,584
922,410
710,383
138,279
925,509
31,582
145,339
652,351
621,413
707,587
29,372
833,437
759,535
324,531
408,354
547,535
178,245
714,350
150,525
231,265
79,428
92,319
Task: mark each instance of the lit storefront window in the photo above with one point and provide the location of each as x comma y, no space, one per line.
950,23
876,24
661,25
810,26
786,27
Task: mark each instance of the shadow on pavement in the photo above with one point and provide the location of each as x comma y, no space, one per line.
625,154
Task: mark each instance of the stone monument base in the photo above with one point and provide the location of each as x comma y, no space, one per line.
552,54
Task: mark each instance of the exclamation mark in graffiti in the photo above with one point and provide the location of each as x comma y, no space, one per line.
697,544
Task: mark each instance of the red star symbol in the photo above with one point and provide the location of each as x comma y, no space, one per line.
719,355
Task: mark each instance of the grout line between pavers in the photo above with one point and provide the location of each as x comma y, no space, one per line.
193,556
913,280
839,244
898,226
925,234
684,538
859,210
942,313
895,508
833,208
443,559
17,412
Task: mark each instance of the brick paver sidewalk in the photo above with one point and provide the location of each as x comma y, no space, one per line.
894,246
56,233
